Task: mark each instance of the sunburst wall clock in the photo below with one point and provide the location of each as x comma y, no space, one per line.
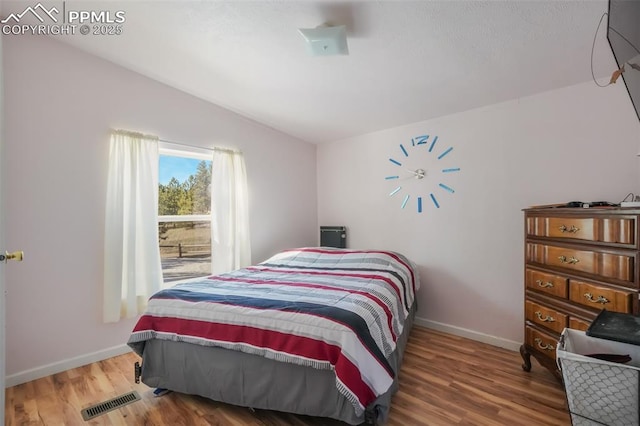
420,171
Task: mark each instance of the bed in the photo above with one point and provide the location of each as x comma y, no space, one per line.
313,331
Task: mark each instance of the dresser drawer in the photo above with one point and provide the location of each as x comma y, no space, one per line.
542,342
545,316
555,285
578,323
608,265
613,230
601,297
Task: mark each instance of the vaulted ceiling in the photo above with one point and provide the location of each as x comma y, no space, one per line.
408,61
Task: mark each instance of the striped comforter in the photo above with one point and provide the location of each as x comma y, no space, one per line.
326,308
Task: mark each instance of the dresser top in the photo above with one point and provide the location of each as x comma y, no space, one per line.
580,211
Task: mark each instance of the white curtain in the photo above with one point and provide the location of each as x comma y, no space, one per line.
230,246
132,256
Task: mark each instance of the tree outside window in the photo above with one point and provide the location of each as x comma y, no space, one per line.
184,214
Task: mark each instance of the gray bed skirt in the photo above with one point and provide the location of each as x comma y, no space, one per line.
253,381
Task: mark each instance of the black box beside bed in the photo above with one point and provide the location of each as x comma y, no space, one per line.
311,331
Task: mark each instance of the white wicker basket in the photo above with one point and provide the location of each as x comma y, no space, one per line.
599,392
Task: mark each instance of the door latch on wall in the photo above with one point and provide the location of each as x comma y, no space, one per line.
16,255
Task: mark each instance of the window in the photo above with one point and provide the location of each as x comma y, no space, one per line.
184,213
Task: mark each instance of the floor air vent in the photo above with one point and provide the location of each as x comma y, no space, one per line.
112,404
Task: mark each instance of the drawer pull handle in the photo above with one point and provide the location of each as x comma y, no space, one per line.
543,346
571,260
547,318
600,299
542,284
573,229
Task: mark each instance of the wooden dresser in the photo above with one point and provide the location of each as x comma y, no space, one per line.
577,262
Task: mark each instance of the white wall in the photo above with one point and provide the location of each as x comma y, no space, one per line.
577,143
60,104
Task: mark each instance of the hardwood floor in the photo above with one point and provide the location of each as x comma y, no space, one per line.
445,380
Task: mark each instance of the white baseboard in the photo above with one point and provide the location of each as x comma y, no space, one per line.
67,364
469,334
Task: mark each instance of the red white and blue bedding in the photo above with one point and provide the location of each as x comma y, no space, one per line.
325,308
